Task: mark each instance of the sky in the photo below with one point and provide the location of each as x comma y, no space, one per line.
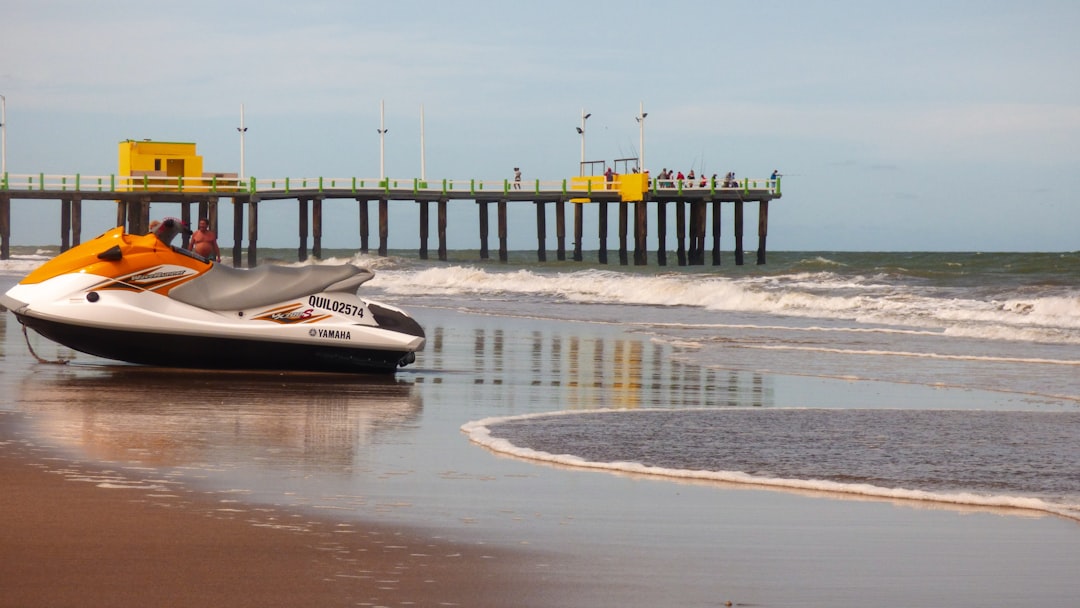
898,126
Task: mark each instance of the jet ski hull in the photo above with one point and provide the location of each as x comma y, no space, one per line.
203,352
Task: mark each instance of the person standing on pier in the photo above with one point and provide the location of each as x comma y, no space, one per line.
204,241
517,178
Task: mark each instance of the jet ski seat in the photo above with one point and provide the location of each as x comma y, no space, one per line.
228,288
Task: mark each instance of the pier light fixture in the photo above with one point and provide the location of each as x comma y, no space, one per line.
581,131
423,154
242,129
382,139
641,135
3,135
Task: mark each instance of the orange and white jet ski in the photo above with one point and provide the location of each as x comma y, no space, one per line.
138,299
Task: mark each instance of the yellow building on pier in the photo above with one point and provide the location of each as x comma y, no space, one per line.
166,166
631,186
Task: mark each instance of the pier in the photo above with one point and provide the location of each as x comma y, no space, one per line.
635,197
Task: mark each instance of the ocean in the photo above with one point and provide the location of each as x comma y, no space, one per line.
946,377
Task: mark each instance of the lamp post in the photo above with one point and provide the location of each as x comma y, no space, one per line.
382,140
242,129
3,135
423,160
641,136
581,131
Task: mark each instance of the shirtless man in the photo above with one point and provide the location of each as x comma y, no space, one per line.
204,242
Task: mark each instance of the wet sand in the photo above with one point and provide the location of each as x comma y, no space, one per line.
72,534
272,489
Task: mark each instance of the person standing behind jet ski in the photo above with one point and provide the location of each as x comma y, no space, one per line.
167,229
204,241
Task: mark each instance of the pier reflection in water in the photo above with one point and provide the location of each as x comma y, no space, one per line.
598,370
356,444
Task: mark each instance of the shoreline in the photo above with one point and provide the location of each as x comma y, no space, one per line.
485,433
75,534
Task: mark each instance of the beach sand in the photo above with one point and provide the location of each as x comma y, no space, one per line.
75,535
130,486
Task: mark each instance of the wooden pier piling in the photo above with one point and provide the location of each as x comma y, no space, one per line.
680,232
541,232
316,227
482,207
716,233
560,231
253,233
641,233
504,252
302,225
384,226
362,209
603,212
763,229
661,233
442,229
424,229
738,233
579,231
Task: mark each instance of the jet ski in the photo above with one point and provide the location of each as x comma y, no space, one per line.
137,298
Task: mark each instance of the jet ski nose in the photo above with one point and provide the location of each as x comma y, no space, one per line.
395,320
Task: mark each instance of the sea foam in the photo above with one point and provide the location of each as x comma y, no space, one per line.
480,432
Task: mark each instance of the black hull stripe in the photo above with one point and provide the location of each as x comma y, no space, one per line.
173,350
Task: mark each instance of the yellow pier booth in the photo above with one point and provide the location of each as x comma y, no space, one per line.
631,184
166,165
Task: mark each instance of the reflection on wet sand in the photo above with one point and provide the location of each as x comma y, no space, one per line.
165,417
595,371
208,419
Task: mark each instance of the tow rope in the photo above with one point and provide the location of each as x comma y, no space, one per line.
40,360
